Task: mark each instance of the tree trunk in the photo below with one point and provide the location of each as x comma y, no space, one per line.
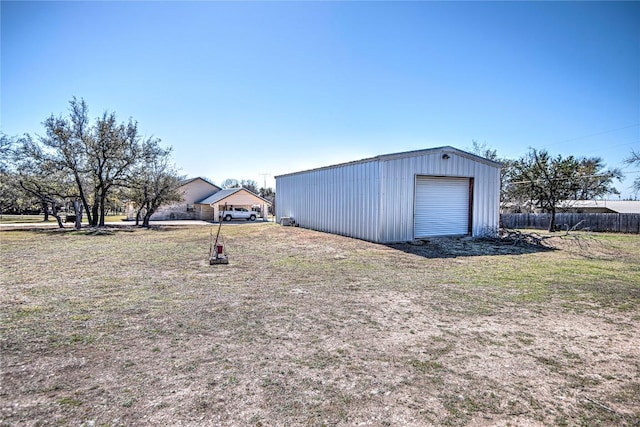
78,209
147,215
45,209
54,212
103,202
94,214
83,198
86,209
552,220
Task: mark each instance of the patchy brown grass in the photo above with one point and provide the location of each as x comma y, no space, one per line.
307,328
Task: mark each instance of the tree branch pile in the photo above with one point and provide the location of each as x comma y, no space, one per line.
518,238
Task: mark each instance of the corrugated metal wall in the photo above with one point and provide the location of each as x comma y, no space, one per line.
341,200
375,200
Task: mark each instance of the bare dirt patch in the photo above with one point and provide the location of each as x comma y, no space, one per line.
308,328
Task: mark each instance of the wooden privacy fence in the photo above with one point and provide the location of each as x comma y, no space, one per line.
613,222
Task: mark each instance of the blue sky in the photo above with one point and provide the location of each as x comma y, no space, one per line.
241,89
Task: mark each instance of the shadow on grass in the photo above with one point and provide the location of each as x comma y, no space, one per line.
97,231
453,247
85,231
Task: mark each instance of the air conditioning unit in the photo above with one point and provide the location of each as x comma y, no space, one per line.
287,221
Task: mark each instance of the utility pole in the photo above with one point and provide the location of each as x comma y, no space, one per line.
264,176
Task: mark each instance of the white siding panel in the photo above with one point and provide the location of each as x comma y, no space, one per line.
441,206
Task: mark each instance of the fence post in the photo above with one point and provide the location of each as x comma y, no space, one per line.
619,225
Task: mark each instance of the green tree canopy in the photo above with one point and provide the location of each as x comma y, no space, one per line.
546,181
90,163
155,181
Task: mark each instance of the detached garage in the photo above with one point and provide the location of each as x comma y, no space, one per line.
396,197
233,198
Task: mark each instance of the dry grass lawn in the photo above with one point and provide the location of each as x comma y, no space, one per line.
134,327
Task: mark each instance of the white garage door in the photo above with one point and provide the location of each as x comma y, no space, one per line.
442,206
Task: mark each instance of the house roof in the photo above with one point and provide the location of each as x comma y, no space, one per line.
188,181
618,206
415,153
223,194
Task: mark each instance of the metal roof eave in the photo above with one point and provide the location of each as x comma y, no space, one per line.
405,154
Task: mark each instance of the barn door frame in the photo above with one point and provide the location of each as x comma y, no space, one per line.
470,194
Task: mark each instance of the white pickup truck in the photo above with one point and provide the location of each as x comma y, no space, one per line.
238,213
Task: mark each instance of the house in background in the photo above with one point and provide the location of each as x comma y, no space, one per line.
211,206
577,207
396,197
600,206
202,200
